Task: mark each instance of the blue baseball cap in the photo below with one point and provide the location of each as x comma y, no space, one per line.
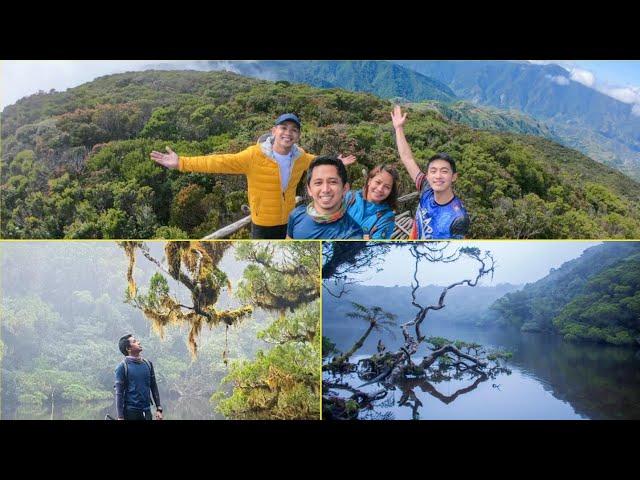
288,117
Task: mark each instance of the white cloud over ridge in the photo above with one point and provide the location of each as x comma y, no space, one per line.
629,95
559,79
584,77
624,94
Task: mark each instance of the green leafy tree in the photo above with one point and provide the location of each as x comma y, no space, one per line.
284,382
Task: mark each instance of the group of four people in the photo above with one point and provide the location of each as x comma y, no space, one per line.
275,165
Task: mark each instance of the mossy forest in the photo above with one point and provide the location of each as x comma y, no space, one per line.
232,328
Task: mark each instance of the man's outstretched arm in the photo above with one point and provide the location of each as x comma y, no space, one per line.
215,163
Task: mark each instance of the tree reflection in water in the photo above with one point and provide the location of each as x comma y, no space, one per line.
446,361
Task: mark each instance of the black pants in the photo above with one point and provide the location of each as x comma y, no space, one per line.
276,232
130,414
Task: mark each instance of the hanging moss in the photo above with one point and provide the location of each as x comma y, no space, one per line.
130,252
214,250
233,317
166,312
172,251
195,265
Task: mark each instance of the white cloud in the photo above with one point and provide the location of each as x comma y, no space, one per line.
201,65
559,79
568,65
624,94
584,77
629,95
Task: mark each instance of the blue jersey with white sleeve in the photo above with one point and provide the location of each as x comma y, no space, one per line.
436,221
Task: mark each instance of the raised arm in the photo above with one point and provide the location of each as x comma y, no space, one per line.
398,118
347,160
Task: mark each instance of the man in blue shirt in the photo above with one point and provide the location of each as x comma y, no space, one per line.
135,383
440,213
326,217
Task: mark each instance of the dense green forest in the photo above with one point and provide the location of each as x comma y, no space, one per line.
595,297
63,310
76,164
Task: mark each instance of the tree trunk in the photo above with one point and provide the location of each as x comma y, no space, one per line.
358,344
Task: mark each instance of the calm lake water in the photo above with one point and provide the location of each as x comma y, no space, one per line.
549,379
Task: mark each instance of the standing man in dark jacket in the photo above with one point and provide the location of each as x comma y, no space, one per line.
135,383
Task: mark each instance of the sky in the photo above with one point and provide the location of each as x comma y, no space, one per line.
18,78
517,262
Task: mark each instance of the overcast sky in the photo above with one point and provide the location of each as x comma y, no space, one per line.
18,78
517,262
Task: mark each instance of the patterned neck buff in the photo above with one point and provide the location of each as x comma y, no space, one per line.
324,218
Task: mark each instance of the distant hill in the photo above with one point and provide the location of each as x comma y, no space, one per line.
383,79
75,164
488,118
387,80
595,297
463,306
600,126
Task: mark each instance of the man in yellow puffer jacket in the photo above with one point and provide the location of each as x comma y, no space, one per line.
273,169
